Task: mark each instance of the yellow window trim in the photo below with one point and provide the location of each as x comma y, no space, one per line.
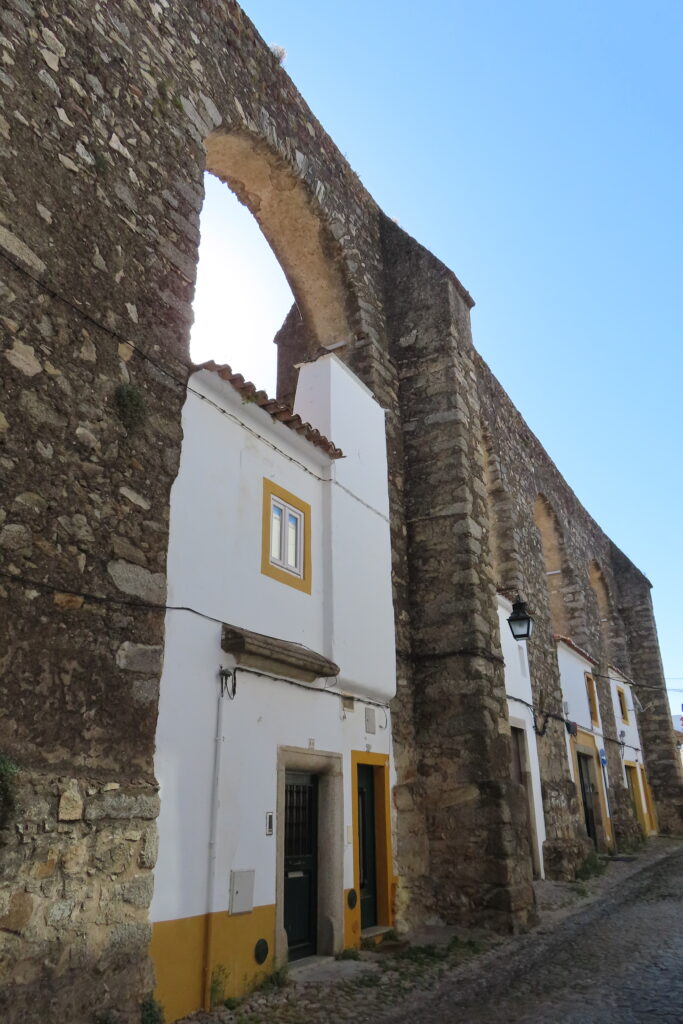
621,694
302,583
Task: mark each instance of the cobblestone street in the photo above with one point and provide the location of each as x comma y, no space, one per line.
621,960
608,950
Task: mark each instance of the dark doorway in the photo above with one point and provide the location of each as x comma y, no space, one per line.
301,863
587,795
367,854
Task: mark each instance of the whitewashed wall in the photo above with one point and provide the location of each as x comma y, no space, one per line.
632,744
265,713
359,596
573,669
214,566
518,685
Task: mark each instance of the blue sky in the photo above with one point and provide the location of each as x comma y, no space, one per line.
536,148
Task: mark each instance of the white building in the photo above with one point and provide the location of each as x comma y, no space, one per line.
633,766
275,824
525,767
586,747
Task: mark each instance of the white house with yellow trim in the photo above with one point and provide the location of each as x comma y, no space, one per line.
633,762
274,745
586,746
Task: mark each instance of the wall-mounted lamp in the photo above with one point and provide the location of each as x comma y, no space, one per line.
520,622
228,680
622,742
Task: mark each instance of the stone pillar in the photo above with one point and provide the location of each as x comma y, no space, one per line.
476,816
662,760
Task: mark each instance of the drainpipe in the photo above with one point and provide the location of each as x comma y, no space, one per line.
213,828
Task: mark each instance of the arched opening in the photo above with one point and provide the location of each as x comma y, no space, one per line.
306,251
241,296
503,542
604,603
552,544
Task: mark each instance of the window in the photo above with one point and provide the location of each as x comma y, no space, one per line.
621,694
592,701
286,544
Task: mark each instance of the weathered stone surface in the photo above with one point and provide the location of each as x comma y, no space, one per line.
103,185
23,358
71,803
137,581
15,537
18,914
122,805
139,657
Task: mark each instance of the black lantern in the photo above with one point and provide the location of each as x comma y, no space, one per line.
520,622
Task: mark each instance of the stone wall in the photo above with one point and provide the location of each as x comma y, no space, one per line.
105,111
604,602
109,114
475,816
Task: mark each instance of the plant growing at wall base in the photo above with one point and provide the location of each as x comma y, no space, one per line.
591,867
8,770
151,1012
351,953
219,977
130,406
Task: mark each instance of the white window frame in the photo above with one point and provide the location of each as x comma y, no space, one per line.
287,510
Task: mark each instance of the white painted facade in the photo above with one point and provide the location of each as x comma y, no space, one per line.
574,668
214,566
627,731
519,701
629,735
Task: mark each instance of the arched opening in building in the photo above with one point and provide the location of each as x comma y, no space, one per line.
242,296
503,540
604,603
552,544
269,269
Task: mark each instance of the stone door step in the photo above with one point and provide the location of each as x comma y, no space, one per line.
374,934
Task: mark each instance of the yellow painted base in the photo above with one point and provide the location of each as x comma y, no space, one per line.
351,923
178,949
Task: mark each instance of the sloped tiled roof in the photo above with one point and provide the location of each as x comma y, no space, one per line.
278,410
558,638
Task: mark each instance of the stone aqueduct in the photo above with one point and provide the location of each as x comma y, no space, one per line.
109,115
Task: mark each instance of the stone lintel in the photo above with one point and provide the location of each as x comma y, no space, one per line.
277,657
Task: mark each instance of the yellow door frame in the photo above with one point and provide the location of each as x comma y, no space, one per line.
641,813
383,847
585,743
649,802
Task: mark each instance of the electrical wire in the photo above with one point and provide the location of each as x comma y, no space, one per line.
125,601
561,718
312,689
152,606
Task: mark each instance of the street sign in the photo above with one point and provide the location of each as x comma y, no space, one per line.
603,757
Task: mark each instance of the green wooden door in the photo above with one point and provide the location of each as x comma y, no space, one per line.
367,854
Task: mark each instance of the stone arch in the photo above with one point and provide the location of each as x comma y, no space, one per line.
598,585
503,538
552,544
296,231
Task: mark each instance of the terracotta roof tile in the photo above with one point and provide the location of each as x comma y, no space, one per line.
277,410
574,647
